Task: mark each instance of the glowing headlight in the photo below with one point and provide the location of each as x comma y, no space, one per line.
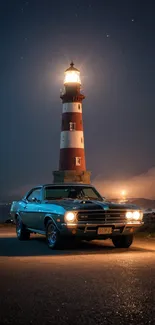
133,215
129,215
136,215
70,217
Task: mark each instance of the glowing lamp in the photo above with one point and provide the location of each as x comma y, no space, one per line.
72,75
123,193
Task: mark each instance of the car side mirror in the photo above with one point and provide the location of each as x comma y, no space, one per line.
34,199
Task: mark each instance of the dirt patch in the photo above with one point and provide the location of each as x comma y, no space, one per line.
7,225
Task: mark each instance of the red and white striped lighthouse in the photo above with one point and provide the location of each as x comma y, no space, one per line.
72,165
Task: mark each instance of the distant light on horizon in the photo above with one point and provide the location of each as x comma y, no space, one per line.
138,186
123,193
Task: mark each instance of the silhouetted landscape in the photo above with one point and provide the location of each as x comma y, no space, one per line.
141,202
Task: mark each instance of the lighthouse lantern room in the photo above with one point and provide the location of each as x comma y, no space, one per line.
72,164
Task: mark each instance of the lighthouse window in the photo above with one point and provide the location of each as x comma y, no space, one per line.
81,140
79,106
78,161
72,126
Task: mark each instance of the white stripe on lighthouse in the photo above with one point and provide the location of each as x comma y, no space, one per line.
71,139
72,108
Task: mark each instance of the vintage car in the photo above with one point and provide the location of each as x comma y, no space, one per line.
61,211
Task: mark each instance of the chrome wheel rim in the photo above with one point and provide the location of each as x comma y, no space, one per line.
18,228
51,236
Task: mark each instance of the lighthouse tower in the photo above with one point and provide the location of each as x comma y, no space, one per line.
72,164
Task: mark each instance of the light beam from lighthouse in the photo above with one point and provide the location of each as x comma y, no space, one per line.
72,165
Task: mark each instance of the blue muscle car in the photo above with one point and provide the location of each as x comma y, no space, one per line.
61,211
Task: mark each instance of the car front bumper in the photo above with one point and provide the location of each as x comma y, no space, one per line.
99,231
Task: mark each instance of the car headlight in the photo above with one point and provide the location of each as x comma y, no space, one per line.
70,217
134,215
129,215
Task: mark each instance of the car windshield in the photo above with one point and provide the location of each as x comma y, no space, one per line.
71,192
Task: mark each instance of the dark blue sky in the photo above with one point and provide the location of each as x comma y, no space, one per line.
38,40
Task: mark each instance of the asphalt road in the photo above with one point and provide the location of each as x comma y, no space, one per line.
92,283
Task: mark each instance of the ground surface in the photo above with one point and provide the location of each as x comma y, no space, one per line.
92,283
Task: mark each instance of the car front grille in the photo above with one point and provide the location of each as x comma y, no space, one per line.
110,216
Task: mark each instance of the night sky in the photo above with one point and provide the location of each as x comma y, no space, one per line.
112,42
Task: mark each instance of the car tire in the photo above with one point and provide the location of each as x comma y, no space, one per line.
53,238
123,241
21,231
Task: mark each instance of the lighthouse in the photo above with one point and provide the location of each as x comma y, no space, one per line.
72,162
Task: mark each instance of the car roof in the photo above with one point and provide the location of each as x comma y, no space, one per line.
57,184
67,184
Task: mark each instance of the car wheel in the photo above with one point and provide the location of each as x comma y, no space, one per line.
21,231
52,236
123,241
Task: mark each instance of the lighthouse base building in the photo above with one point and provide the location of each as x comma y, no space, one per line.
72,164
71,176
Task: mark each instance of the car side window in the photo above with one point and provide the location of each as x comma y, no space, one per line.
36,194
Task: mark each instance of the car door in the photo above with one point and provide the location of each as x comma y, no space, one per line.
32,206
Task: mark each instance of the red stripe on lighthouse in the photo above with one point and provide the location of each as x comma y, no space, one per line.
72,122
69,159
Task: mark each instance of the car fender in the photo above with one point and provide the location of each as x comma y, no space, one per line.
50,217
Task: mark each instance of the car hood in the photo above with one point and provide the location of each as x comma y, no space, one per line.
92,205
